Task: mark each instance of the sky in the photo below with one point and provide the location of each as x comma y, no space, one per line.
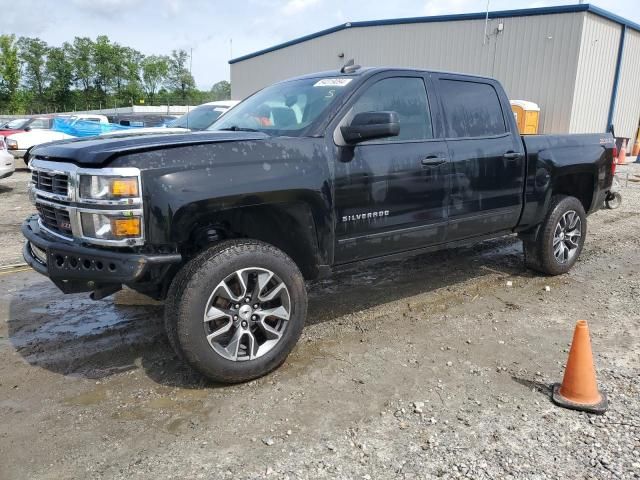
219,30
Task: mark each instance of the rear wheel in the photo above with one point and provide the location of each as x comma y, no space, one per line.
613,200
560,239
236,311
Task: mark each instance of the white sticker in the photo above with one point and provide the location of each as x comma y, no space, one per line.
220,109
332,82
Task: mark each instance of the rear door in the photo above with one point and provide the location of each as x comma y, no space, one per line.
391,194
487,159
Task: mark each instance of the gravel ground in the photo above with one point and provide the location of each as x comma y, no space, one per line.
15,207
431,367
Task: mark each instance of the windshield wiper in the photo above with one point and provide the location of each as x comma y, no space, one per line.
236,128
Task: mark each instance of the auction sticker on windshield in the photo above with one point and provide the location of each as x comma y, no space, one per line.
332,82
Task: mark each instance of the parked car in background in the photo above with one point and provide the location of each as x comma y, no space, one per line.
19,143
7,162
142,120
13,126
204,115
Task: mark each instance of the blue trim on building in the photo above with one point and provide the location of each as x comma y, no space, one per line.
524,12
616,78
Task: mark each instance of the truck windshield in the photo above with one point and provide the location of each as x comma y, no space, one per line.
285,108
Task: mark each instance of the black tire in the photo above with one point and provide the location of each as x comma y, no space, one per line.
538,252
613,201
190,292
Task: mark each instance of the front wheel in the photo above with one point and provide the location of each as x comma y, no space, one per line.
560,239
236,311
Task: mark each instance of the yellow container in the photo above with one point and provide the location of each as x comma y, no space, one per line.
527,116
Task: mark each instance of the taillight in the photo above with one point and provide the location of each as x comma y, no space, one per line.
615,160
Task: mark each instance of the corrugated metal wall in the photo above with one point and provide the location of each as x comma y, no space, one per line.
596,71
564,62
537,59
627,111
534,57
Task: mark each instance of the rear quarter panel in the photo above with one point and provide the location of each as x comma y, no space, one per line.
552,157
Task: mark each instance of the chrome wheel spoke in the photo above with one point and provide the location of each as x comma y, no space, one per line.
572,242
558,250
279,312
573,222
233,346
224,329
215,313
228,294
273,293
270,332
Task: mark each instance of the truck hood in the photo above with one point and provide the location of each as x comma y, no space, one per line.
96,151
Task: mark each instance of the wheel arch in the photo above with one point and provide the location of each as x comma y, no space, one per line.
579,184
289,227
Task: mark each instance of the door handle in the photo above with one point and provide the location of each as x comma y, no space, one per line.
512,156
433,161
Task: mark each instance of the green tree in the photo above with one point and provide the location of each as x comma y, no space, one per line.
155,69
105,56
221,91
81,56
61,74
180,79
127,73
33,53
9,71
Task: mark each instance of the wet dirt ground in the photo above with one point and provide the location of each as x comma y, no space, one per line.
425,368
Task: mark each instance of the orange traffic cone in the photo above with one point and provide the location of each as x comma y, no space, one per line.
622,156
635,151
579,390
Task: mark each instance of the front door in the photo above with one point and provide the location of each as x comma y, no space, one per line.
391,194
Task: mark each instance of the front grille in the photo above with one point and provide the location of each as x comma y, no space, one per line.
57,183
55,219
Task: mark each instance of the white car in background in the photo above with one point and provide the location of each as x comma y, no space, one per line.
19,143
7,162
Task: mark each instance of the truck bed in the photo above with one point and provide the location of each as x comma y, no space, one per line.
585,159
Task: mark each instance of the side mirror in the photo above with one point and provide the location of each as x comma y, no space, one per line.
371,125
27,129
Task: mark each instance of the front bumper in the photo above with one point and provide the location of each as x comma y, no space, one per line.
75,268
17,153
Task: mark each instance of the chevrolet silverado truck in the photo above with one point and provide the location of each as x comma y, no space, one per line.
302,178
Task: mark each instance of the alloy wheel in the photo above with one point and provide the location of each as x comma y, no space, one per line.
566,238
247,314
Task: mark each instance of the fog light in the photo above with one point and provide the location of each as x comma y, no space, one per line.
126,227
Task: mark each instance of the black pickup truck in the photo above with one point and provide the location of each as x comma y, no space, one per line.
301,178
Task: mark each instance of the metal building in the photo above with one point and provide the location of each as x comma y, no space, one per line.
579,63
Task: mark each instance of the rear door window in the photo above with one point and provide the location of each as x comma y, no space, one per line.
407,97
471,109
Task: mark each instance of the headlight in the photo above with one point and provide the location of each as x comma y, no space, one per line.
108,188
110,227
12,144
